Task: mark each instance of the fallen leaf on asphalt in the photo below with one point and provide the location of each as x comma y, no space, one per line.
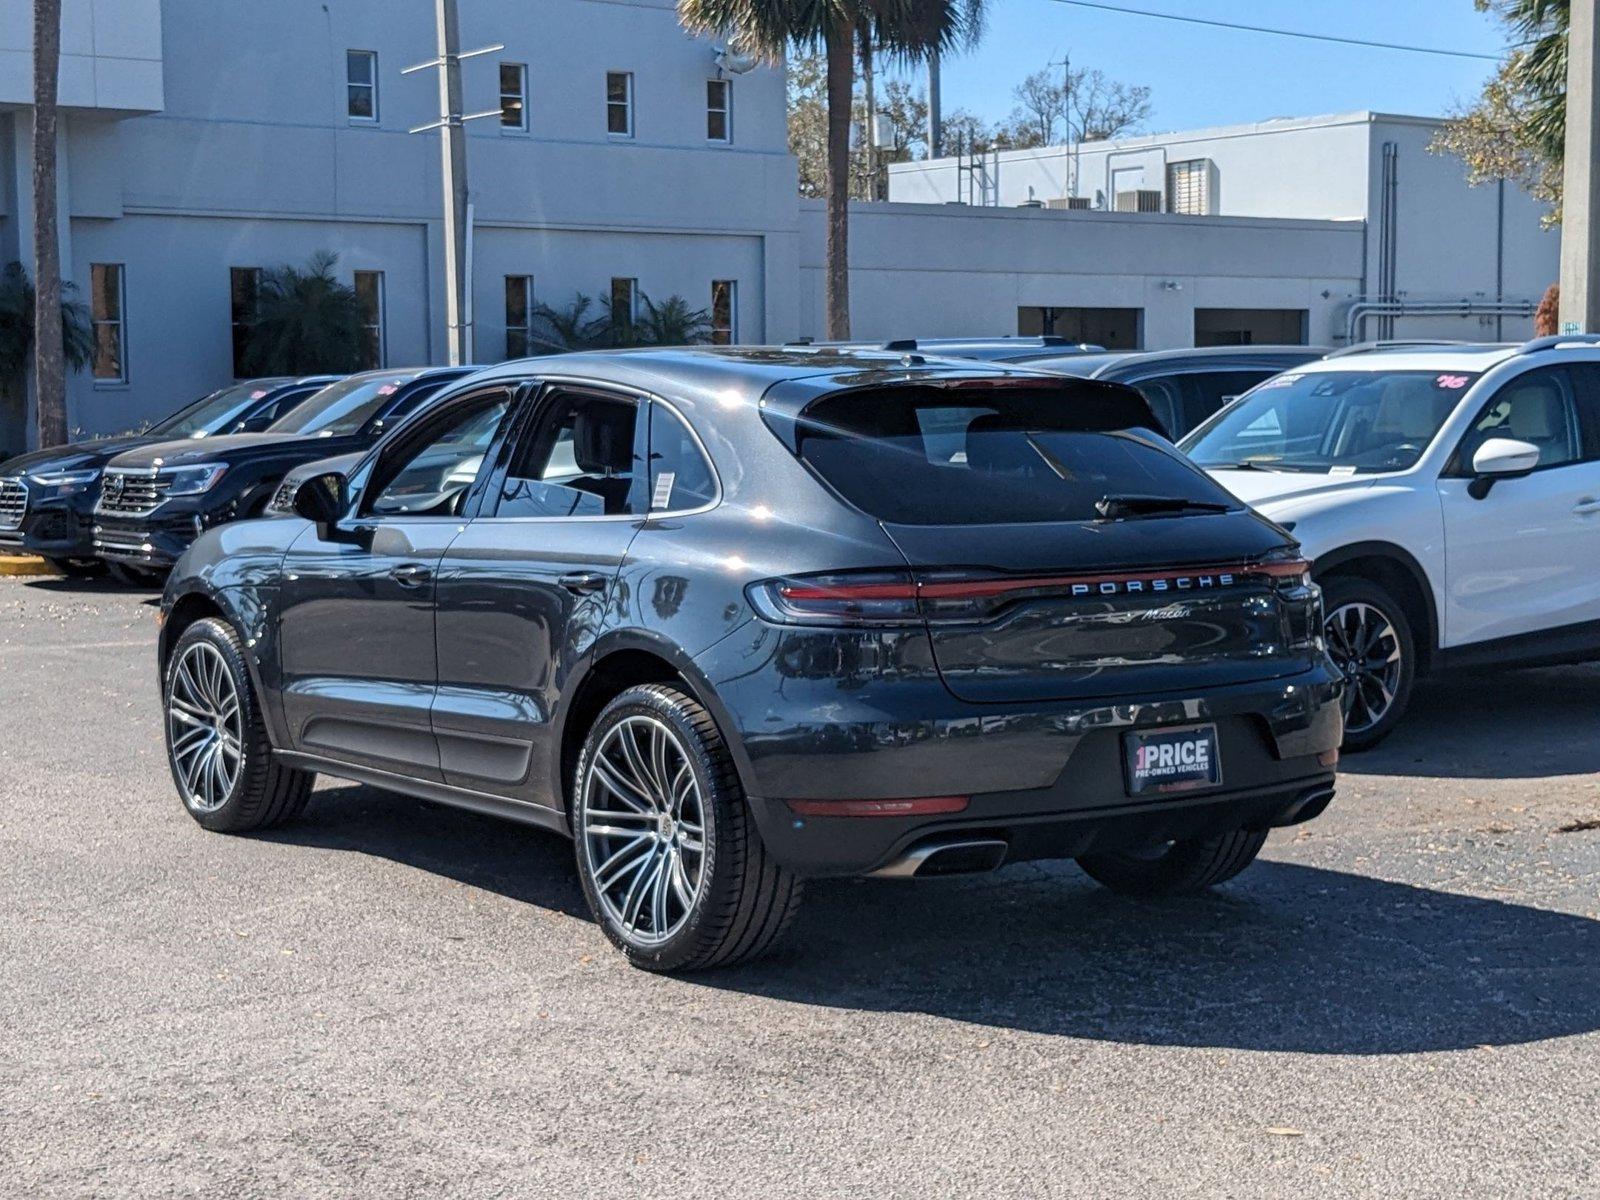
1284,1131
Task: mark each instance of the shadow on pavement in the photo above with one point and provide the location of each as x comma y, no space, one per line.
1499,725
1287,957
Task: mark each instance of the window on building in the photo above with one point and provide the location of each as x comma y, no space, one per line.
719,110
108,324
619,103
369,296
244,291
624,306
1189,187
519,315
514,97
361,84
724,312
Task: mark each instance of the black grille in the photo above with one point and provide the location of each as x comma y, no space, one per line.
132,491
13,503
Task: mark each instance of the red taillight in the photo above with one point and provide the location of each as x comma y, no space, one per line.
955,596
919,806
858,598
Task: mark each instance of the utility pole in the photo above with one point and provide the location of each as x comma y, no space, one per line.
1580,201
453,164
935,116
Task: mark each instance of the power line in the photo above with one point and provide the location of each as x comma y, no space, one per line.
1288,33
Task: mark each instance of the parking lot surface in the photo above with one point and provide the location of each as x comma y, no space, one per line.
388,998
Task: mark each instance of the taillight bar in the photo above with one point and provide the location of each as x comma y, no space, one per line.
897,597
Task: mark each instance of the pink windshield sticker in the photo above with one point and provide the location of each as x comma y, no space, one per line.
1453,382
388,389
256,395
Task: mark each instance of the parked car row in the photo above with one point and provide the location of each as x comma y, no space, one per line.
639,596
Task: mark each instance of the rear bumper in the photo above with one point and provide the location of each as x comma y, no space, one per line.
999,829
1046,778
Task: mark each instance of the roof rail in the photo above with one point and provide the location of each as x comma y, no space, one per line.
903,344
1394,344
1559,339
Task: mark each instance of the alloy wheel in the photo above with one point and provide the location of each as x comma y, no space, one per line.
204,727
644,829
1363,642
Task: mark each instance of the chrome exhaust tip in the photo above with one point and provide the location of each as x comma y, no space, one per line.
946,856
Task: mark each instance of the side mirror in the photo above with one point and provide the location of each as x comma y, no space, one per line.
1500,458
321,500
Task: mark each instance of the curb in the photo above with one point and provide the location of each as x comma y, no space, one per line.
25,565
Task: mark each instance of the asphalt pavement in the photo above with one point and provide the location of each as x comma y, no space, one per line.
392,999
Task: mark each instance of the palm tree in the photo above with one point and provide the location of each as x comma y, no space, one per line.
49,372
306,322
671,323
569,328
17,316
909,30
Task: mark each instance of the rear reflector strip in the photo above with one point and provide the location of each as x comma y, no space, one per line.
968,589
922,806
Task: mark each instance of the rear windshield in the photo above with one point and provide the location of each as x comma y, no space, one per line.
344,407
926,456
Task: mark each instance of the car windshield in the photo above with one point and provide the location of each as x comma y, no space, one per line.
219,412
915,456
344,407
1338,422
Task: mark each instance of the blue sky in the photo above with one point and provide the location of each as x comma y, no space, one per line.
1201,76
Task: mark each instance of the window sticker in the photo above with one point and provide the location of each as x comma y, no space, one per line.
663,493
258,393
1341,470
1283,381
1451,382
388,389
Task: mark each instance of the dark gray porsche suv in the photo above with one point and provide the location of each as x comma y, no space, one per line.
735,618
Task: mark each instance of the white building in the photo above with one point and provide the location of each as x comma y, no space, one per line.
1427,240
203,140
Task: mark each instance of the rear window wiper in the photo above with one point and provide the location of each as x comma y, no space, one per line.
1112,507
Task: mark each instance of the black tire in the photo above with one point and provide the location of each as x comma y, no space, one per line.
745,901
78,568
263,792
135,577
1177,868
1338,595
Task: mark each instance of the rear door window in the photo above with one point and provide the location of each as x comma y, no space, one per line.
953,456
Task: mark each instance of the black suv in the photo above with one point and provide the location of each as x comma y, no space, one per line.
47,498
155,500
733,618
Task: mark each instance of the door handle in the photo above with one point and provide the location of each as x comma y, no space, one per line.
1587,506
583,582
411,575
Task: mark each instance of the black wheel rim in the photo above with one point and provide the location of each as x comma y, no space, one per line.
1364,644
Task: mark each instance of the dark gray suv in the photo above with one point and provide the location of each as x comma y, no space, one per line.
734,618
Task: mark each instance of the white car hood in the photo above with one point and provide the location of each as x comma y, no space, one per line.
1270,491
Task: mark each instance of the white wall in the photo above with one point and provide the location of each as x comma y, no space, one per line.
1307,168
935,270
110,54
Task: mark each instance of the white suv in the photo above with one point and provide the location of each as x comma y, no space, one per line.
1449,497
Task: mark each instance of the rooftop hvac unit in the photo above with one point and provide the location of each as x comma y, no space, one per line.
1144,200
1075,203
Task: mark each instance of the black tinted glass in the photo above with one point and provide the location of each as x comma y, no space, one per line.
990,456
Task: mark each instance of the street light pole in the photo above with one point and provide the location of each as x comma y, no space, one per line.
1580,200
453,165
